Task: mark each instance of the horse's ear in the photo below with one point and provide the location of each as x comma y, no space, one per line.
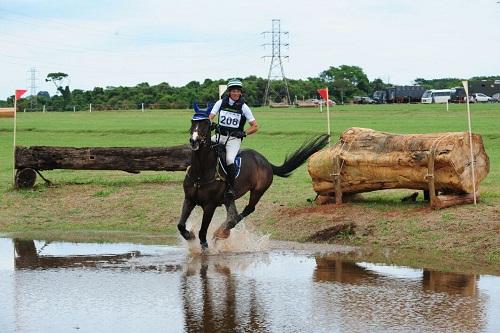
196,107
210,106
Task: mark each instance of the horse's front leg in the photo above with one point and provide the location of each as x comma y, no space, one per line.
232,218
208,213
187,208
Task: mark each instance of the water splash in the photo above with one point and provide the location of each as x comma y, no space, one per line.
242,239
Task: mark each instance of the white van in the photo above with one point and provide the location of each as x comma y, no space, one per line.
437,96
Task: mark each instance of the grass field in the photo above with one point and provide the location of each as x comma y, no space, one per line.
150,202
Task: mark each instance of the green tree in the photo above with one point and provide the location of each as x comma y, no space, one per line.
377,84
346,81
57,79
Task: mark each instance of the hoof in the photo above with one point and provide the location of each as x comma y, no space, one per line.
204,247
188,235
222,233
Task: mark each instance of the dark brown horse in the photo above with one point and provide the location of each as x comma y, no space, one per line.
204,187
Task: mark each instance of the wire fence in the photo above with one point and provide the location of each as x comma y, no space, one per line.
91,107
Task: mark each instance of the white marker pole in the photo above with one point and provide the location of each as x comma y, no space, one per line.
466,87
14,142
90,107
328,114
142,107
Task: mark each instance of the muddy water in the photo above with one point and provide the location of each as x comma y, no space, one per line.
68,287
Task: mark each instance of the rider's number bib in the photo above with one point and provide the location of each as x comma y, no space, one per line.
230,119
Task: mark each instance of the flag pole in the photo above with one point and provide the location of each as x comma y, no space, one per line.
328,114
466,88
14,142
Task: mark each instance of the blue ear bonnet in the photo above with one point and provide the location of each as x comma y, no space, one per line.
201,114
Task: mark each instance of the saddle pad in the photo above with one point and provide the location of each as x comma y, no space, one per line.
237,163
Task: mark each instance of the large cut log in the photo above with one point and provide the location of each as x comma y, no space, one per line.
7,112
131,159
371,160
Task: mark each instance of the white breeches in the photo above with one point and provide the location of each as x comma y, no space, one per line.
232,146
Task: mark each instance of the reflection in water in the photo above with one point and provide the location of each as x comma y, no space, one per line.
215,301
165,289
402,299
27,257
341,271
451,283
335,269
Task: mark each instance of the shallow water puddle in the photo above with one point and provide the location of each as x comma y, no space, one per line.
63,287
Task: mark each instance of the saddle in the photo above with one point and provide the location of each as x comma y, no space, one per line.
221,164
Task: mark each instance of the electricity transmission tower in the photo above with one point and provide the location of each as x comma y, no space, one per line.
33,86
276,67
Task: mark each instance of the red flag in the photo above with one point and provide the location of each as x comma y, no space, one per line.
323,93
20,93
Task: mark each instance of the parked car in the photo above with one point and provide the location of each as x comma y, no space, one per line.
330,102
496,97
362,100
480,97
458,95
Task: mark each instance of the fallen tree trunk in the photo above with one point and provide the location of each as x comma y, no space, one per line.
130,159
371,160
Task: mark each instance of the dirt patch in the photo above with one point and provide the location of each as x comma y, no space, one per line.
461,233
328,234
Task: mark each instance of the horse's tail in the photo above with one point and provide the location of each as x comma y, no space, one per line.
297,158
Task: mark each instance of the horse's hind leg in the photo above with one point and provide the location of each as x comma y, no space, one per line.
187,208
208,213
255,196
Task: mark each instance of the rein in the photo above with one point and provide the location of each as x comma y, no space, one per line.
197,181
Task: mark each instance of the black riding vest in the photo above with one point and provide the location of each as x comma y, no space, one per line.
231,117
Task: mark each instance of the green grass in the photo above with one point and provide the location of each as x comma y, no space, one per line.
88,201
281,131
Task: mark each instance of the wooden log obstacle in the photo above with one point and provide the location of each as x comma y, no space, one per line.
6,112
31,160
366,160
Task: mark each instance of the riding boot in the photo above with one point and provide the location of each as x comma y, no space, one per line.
231,175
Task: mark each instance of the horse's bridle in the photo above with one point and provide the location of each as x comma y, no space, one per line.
199,140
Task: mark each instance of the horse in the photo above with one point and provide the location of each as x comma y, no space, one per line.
205,186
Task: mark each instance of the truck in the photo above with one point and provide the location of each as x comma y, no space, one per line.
399,94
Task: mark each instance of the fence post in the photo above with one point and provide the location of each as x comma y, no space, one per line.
336,179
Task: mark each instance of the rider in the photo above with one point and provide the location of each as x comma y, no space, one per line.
233,114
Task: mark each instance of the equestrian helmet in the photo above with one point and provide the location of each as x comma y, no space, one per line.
234,83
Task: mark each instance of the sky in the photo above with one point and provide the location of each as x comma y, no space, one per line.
123,43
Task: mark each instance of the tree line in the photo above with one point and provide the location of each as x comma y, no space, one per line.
344,82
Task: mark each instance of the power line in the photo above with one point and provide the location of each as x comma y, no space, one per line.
33,87
276,70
